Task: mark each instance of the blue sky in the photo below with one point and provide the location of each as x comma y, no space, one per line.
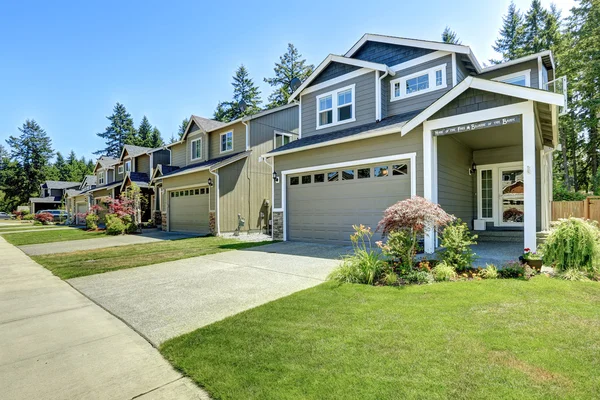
67,64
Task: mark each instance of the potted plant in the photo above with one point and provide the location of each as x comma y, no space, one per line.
531,258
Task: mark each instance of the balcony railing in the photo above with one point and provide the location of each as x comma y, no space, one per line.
559,85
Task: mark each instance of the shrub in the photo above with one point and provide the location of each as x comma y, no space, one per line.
45,218
573,274
390,278
28,217
443,272
513,269
489,272
562,194
572,244
419,277
130,227
91,221
399,248
114,225
365,265
457,241
415,216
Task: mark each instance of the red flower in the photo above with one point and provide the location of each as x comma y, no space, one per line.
527,250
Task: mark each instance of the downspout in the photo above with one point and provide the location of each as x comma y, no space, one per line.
379,99
217,222
272,196
247,125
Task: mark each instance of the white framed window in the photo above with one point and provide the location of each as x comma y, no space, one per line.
336,107
419,83
281,139
521,78
196,149
120,169
128,166
226,141
101,179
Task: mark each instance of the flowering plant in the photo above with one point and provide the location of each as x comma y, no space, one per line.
530,255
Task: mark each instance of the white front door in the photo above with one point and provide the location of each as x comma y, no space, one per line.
511,200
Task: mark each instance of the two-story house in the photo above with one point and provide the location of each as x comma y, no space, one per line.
51,195
394,118
78,201
109,174
216,182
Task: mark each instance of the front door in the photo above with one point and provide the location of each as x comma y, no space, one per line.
512,201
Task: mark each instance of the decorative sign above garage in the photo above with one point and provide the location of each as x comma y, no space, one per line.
490,123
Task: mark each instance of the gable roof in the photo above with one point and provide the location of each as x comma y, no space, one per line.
89,180
215,163
205,124
141,179
343,60
546,56
59,184
106,162
134,151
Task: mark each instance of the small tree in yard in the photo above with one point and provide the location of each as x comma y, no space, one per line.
45,218
415,217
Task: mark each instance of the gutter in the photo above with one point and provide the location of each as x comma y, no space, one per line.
247,134
266,159
379,100
217,222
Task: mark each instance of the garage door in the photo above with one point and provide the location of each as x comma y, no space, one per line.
188,210
323,205
81,209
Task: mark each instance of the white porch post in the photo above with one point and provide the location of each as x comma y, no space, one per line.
428,180
529,152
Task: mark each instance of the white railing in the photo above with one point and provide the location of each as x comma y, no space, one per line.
559,85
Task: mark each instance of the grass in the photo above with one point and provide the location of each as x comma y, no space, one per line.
8,229
49,236
90,262
501,339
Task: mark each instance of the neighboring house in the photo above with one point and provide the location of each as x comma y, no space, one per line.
78,201
51,195
394,118
136,166
109,172
216,181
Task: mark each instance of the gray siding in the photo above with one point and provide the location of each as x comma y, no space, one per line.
532,65
239,140
364,105
417,102
380,146
456,191
389,54
194,135
161,157
333,70
142,164
472,100
56,192
178,157
461,71
119,177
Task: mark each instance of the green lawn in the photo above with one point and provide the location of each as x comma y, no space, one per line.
90,262
10,228
52,235
504,339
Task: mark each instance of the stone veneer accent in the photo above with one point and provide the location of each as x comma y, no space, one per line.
163,221
278,225
211,223
158,218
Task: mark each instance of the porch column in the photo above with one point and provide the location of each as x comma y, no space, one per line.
428,180
529,152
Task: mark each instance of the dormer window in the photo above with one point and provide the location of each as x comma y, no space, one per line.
521,78
101,179
128,166
419,83
226,142
336,107
120,170
196,149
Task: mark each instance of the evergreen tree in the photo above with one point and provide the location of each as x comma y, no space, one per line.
533,29
291,65
120,131
511,40
144,133
155,139
243,89
31,151
62,168
10,177
551,36
182,128
172,139
449,36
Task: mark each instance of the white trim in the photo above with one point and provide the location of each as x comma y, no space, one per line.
406,156
408,42
486,85
247,125
431,76
120,169
519,61
526,73
217,202
428,181
130,166
377,97
454,70
192,158
529,176
300,118
173,189
221,142
334,106
276,132
421,60
335,81
496,198
540,75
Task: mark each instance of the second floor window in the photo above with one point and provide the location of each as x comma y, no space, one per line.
335,107
419,83
281,139
196,149
226,142
101,179
521,78
120,169
128,166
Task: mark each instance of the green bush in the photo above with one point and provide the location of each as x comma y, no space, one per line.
399,247
562,194
489,272
28,217
114,225
457,241
390,278
572,244
91,221
443,272
419,277
512,269
130,226
572,274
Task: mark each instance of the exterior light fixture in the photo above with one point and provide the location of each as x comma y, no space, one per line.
275,177
473,169
210,182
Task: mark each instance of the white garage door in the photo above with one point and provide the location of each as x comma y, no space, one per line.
188,210
81,209
322,206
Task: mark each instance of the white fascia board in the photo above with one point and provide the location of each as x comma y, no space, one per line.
518,61
187,171
408,42
336,80
365,135
229,161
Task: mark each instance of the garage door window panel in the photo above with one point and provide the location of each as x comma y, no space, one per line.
364,173
306,179
294,180
347,174
319,178
381,172
399,169
332,176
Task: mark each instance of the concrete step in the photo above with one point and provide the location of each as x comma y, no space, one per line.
499,236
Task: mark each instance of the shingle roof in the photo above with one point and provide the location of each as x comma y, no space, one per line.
49,199
204,164
134,151
139,177
91,179
72,192
207,124
326,137
107,186
60,184
106,161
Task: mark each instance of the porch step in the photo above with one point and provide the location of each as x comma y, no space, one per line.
499,236
541,237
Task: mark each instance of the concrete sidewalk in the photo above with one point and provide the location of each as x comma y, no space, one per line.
57,344
149,236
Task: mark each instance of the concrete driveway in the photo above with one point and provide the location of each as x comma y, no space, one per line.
166,300
148,236
57,344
